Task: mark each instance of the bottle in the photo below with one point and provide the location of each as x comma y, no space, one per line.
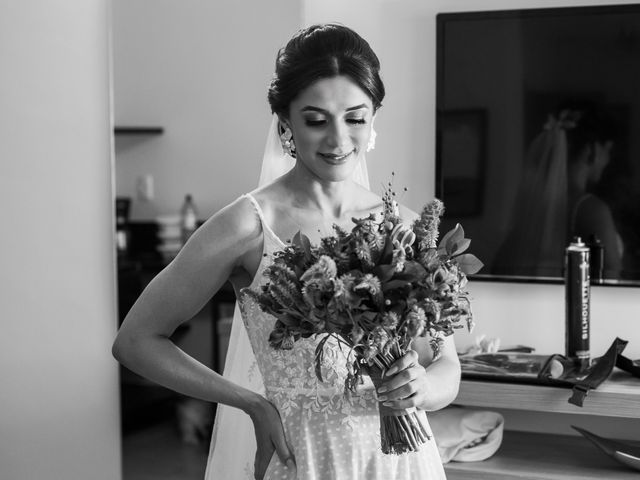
188,218
577,298
596,260
123,234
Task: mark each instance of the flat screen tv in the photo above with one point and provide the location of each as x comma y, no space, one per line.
538,138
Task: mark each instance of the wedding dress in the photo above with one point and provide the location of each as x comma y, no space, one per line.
332,436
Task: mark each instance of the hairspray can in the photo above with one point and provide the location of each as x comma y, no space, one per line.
577,295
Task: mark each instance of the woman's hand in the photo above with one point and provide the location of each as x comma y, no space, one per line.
269,438
418,380
406,384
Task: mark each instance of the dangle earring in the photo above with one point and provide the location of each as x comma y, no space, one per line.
288,145
372,140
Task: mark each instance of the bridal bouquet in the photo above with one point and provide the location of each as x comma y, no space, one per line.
375,288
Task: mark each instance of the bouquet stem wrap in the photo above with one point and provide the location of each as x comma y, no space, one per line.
401,431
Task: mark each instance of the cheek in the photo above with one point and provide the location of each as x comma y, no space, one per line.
307,139
362,135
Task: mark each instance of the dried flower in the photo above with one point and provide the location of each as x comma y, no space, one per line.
426,227
321,271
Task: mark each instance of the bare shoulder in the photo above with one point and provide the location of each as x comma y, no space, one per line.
269,197
227,244
236,224
226,247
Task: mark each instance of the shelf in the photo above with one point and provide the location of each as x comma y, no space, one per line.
536,456
619,396
138,130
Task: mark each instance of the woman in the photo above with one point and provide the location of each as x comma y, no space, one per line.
590,143
325,94
555,200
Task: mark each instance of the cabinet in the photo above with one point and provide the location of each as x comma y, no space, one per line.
534,456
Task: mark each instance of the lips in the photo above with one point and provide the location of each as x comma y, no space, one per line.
336,158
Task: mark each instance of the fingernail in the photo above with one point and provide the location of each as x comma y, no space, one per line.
382,389
381,398
290,463
391,371
387,404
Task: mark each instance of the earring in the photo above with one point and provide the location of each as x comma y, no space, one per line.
372,140
288,145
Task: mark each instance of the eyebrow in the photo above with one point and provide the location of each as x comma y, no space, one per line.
310,108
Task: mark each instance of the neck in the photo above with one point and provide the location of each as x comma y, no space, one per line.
578,179
330,199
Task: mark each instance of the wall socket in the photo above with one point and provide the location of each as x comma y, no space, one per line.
144,187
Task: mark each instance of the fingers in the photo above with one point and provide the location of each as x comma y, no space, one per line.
279,441
407,360
263,457
265,454
402,398
405,384
270,439
283,450
403,404
401,378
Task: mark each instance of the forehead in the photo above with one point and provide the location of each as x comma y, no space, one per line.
334,94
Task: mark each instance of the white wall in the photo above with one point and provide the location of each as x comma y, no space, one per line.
58,382
201,70
403,34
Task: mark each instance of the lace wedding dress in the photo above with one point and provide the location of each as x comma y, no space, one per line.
332,436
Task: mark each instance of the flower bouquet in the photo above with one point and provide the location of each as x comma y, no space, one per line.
375,288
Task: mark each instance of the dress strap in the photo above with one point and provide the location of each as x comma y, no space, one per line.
265,226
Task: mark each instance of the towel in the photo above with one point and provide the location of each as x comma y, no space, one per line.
466,435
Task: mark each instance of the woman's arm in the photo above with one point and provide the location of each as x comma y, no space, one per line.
593,217
416,380
175,295
227,246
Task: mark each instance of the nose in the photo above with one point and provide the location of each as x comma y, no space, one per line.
337,135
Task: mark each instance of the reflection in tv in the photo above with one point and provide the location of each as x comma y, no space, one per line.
535,110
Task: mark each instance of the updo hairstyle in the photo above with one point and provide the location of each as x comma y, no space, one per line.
323,51
592,125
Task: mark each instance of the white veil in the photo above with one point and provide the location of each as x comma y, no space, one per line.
539,218
232,457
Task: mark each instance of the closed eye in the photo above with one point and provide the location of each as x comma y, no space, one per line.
350,121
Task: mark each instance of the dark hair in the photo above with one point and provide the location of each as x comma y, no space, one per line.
323,51
592,125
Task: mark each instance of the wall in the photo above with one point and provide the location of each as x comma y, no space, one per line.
59,393
201,70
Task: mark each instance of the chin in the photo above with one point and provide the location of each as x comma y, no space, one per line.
338,174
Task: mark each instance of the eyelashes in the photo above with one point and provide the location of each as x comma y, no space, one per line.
351,121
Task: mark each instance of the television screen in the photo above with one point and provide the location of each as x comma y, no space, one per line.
538,115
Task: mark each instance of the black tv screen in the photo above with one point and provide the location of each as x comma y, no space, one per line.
538,138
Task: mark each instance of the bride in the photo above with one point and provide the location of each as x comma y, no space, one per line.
275,419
